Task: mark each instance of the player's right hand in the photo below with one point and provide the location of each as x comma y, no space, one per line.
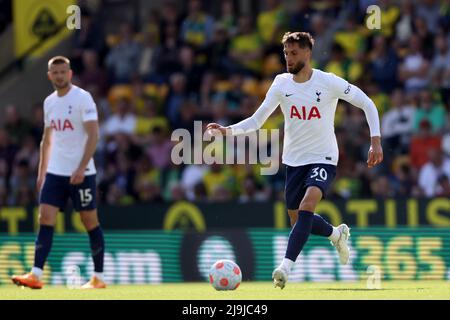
215,126
77,177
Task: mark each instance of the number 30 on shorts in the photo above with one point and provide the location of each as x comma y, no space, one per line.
85,196
321,172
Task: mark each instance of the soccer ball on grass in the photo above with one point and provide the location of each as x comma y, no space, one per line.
225,275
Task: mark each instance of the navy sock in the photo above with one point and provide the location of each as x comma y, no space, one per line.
97,248
321,227
43,245
299,234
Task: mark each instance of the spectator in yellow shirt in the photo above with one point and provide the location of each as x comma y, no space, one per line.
246,47
351,38
272,22
219,176
342,66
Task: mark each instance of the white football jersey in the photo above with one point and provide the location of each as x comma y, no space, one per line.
309,110
66,115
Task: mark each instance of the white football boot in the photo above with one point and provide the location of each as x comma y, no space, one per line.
280,277
341,244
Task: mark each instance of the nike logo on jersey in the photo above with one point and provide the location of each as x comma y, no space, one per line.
320,180
288,95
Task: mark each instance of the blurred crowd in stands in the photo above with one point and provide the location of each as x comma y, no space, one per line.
186,63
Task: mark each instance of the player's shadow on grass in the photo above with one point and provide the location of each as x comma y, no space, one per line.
366,289
355,289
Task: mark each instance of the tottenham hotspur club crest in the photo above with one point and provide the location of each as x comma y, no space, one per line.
318,95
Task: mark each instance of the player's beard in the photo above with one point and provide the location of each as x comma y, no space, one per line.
297,68
60,86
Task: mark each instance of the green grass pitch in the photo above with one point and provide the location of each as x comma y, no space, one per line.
247,291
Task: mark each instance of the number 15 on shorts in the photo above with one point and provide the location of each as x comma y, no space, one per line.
85,196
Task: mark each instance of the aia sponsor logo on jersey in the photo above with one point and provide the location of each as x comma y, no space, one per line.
61,125
302,113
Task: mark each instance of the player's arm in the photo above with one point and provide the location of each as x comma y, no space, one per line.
256,121
355,96
44,156
92,131
91,127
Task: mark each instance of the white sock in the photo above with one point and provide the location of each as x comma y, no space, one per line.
99,275
335,235
287,264
37,272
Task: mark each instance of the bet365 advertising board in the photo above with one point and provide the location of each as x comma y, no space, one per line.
152,257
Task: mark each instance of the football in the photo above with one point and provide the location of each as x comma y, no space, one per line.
225,275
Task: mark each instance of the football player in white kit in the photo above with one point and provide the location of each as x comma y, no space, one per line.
67,170
308,98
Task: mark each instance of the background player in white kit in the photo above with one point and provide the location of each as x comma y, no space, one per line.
67,170
308,99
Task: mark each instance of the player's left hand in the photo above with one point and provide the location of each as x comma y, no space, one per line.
375,154
77,177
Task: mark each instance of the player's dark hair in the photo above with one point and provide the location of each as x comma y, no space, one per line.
304,39
58,60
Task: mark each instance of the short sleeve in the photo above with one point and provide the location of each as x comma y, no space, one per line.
46,115
341,88
89,109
